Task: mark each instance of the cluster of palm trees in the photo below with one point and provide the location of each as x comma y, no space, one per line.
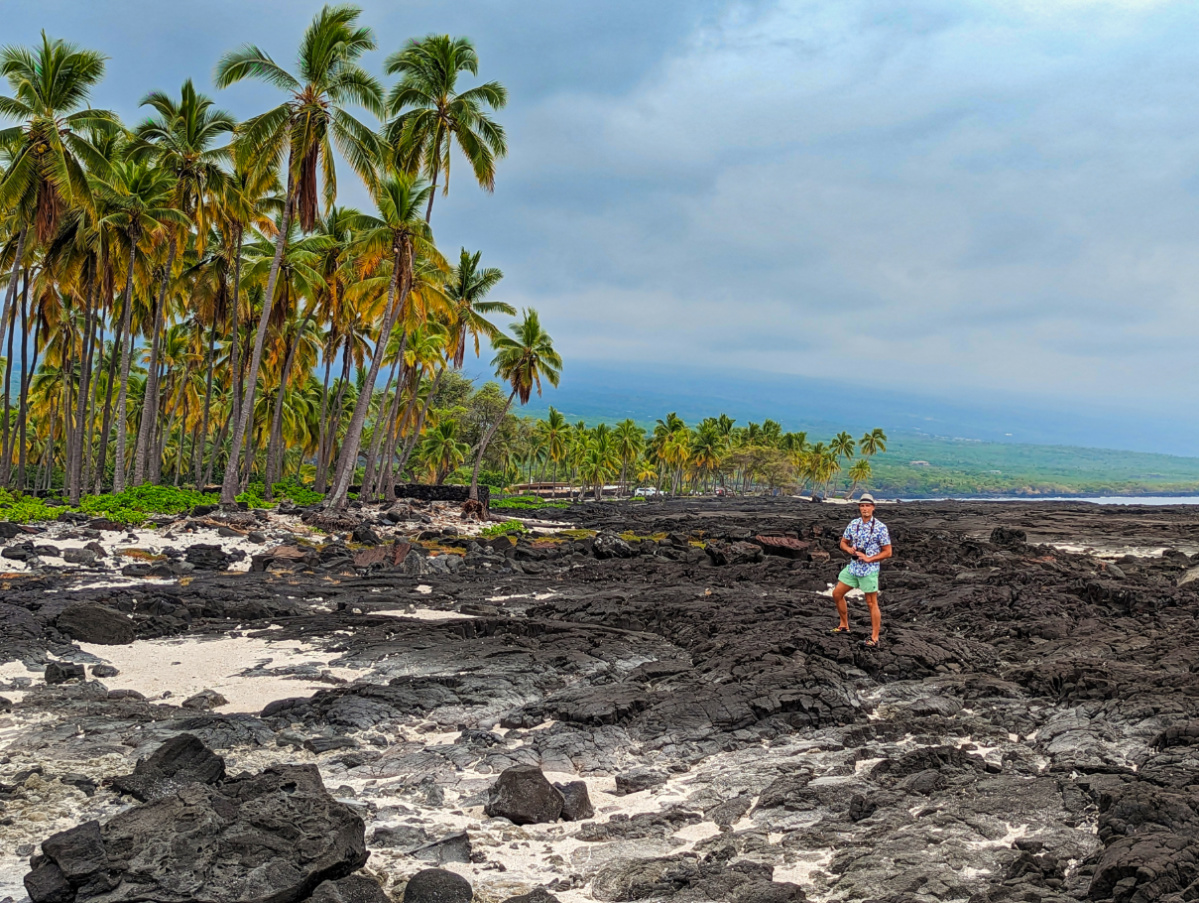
676,458
172,290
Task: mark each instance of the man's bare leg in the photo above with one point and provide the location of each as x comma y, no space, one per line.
839,592
876,617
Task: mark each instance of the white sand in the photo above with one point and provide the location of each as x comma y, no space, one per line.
184,667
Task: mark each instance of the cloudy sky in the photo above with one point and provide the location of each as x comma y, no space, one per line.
942,196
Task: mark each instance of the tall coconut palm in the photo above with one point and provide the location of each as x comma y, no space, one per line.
468,286
522,360
873,442
389,242
139,199
48,151
304,128
179,137
858,474
432,117
630,442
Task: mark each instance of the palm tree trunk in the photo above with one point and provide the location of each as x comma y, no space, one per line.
231,483
5,442
322,427
106,426
11,296
348,460
406,419
383,422
28,368
145,432
93,366
420,423
202,438
235,326
118,480
272,472
322,468
75,465
474,477
385,484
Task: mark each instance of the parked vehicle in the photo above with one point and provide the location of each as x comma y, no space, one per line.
647,492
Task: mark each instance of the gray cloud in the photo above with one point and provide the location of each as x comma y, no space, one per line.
981,194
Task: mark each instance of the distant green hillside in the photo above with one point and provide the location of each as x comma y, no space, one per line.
957,468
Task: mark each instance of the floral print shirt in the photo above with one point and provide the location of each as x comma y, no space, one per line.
869,538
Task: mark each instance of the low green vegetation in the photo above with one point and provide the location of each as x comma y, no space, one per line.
507,528
525,503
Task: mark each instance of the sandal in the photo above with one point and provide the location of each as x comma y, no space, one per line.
872,644
839,630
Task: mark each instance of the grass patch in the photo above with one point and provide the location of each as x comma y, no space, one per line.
525,503
507,528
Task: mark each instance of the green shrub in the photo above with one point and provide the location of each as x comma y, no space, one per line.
525,503
507,528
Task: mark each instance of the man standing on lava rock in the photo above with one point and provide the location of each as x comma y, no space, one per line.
867,541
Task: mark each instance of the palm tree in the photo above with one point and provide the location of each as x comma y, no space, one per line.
47,152
431,116
858,474
442,450
179,138
304,128
630,442
873,442
551,433
467,287
390,242
522,360
139,198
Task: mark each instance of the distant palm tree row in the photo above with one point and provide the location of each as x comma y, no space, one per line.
676,458
184,300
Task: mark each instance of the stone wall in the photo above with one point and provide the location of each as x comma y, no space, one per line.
428,493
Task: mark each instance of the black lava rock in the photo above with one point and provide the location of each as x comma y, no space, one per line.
184,759
524,797
576,802
436,886
265,838
96,624
61,672
354,889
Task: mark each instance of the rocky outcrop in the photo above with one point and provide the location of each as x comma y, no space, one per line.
96,624
273,837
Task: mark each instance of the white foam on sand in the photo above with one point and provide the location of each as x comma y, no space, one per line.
184,667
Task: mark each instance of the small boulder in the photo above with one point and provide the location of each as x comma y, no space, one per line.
205,700
184,759
90,623
608,545
61,672
524,796
576,802
83,557
639,779
104,671
365,535
438,886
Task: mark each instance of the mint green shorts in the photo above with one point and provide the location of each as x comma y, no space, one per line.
867,584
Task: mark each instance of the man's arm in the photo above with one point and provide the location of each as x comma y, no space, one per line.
870,559
847,547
